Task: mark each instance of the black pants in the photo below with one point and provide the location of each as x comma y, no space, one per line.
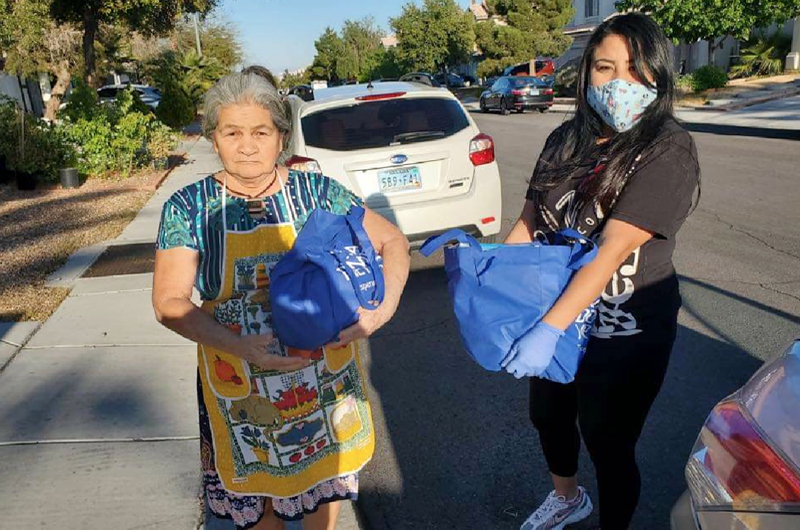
613,391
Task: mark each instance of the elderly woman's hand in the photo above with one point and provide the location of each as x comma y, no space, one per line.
255,349
369,321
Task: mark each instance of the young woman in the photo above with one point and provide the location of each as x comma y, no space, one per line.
624,173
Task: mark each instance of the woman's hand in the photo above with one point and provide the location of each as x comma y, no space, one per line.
255,349
532,353
369,321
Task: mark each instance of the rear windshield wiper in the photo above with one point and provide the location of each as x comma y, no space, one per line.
418,135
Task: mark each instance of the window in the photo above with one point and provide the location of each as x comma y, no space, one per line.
382,123
592,8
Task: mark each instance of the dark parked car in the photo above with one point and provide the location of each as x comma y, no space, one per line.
304,92
453,80
517,93
421,77
744,469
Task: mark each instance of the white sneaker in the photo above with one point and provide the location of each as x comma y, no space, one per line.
556,512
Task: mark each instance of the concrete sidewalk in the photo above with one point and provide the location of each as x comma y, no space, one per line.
98,415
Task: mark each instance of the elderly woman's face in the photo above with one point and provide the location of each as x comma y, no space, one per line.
247,141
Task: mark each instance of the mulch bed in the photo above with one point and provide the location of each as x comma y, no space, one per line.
40,229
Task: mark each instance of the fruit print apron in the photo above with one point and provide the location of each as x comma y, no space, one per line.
278,434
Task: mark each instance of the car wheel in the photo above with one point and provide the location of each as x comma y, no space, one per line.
483,106
543,110
504,107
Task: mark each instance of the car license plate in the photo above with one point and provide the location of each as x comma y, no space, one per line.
534,92
402,178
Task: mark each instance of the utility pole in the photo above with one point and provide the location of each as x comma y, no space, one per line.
197,34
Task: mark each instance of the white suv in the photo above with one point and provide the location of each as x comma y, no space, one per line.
411,151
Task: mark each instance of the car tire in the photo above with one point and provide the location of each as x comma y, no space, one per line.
543,110
504,107
483,106
521,110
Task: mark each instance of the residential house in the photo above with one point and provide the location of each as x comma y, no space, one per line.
688,56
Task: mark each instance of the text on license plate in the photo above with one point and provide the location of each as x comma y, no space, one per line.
402,178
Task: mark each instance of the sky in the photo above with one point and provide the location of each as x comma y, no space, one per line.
280,34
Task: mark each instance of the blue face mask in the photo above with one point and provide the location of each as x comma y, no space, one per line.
620,103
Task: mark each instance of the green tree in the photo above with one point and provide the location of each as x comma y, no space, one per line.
149,17
33,43
289,80
360,39
435,36
713,20
330,48
218,39
382,63
533,29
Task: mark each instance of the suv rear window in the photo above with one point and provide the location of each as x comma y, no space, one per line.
383,123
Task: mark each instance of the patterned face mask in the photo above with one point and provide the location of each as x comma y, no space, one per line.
620,103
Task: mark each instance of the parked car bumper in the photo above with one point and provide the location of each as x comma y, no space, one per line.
682,516
420,220
533,102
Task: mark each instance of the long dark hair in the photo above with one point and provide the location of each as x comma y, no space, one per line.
577,138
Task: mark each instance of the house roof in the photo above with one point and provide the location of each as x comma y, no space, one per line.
479,11
389,41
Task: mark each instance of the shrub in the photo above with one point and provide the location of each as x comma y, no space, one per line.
707,77
160,142
81,102
117,137
175,108
41,150
686,82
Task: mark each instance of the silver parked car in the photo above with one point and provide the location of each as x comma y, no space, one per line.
150,96
744,470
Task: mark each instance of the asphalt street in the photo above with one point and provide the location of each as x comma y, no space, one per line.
455,448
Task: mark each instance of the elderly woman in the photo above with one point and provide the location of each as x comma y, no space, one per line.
283,432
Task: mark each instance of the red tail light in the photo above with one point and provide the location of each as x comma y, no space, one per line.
732,464
373,97
302,163
518,92
548,92
481,150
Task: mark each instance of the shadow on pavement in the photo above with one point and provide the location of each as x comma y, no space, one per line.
455,448
735,130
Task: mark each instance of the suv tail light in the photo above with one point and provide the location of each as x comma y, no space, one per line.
547,92
481,150
518,92
734,465
302,163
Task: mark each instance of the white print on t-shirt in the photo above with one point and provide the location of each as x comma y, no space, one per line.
611,320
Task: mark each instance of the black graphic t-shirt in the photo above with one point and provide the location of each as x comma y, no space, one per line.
657,198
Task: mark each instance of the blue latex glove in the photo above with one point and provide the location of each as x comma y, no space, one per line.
532,353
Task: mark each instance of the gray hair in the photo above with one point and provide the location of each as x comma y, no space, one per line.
247,88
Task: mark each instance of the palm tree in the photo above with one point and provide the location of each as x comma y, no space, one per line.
764,55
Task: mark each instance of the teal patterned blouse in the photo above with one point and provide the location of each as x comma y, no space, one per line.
192,218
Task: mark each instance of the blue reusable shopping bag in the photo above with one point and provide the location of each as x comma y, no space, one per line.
500,292
317,287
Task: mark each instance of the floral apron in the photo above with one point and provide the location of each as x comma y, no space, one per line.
278,434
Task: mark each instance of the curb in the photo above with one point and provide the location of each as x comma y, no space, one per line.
18,346
748,102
